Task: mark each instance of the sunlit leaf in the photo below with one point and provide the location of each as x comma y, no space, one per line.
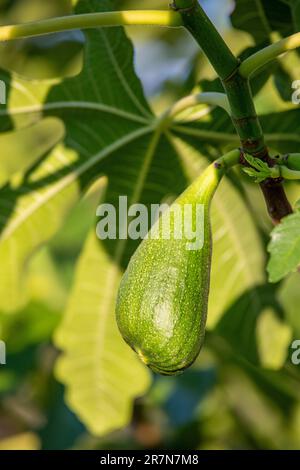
289,298
102,374
23,148
274,338
284,248
24,441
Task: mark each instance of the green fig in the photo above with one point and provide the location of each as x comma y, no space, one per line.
162,300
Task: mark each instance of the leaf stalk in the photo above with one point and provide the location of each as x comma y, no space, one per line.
269,53
191,101
91,20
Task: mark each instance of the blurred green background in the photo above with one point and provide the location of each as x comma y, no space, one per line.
222,402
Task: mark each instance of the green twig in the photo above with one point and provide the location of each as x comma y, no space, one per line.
189,102
287,173
260,58
228,160
291,160
207,135
90,20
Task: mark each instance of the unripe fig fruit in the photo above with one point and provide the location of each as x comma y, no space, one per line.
162,301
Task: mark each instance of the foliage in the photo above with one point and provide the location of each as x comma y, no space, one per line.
72,141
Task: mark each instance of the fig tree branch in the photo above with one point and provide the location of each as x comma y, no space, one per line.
238,91
202,29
